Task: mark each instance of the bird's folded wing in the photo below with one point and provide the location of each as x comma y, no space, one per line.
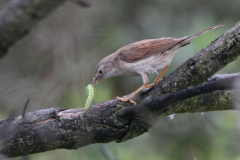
146,48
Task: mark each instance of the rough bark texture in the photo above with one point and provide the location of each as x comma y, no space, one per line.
19,17
217,100
160,105
53,128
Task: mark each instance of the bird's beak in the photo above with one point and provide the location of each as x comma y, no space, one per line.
95,81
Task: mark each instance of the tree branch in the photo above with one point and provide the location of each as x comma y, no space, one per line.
82,3
50,129
54,128
161,105
20,16
212,101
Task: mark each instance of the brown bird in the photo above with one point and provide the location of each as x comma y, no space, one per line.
141,59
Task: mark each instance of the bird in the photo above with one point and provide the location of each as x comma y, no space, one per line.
142,58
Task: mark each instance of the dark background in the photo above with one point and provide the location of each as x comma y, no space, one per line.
55,62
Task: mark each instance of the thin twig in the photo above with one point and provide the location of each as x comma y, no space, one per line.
82,3
193,153
106,153
25,108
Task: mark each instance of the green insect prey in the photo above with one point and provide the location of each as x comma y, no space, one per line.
90,93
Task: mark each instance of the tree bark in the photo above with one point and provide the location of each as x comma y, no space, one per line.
19,17
53,128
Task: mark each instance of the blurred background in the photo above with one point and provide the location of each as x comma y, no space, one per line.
55,62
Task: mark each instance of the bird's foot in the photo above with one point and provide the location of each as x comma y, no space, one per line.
125,99
154,83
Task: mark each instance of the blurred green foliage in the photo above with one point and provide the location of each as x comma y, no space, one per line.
55,62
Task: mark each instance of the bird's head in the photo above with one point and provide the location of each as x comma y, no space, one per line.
102,71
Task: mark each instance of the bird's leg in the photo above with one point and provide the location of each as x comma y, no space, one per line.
158,79
145,83
125,98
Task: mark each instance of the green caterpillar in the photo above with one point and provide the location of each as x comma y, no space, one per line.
90,93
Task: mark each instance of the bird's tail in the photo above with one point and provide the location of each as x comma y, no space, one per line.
189,38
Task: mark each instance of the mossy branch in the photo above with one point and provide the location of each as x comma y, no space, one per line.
50,129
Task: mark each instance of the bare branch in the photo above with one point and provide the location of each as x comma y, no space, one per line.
19,17
106,153
82,3
25,108
220,76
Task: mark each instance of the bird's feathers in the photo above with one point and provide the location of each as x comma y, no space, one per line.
189,38
149,47
146,48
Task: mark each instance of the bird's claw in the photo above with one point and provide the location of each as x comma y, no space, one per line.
125,99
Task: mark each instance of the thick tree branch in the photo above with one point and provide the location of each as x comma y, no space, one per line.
116,121
157,106
53,128
212,101
20,16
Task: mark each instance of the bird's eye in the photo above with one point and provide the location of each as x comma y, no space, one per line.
100,72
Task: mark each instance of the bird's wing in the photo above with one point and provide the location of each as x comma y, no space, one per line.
146,48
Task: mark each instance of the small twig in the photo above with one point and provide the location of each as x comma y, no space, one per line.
82,3
193,153
106,153
25,108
